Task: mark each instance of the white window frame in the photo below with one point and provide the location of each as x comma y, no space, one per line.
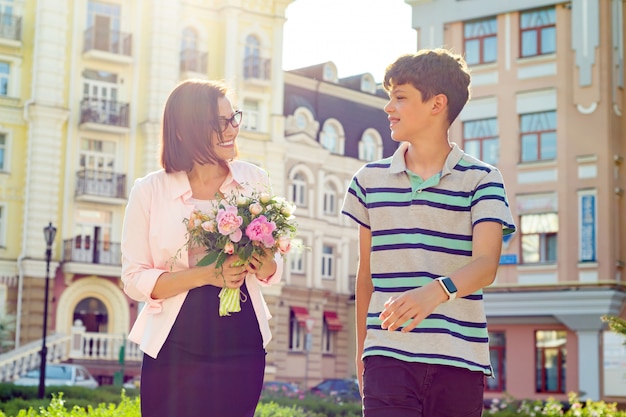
13,78
330,199
3,224
339,145
328,339
297,261
328,262
5,163
545,230
298,190
375,146
251,115
297,334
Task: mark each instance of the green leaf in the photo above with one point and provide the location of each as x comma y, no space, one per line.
209,259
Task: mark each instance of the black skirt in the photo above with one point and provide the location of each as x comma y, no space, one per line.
209,365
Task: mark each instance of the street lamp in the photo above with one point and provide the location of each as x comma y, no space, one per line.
49,232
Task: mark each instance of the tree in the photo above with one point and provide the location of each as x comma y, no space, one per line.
7,329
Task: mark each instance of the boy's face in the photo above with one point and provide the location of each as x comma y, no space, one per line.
408,115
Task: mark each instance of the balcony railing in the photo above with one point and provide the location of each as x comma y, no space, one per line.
258,68
112,41
83,249
194,61
90,182
10,27
106,112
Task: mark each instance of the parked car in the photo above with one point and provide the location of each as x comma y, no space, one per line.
336,387
133,383
281,387
60,374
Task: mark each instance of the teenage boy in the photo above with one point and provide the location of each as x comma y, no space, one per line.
431,220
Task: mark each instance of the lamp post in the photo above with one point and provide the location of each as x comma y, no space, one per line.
49,232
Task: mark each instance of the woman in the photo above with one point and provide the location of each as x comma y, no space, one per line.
195,361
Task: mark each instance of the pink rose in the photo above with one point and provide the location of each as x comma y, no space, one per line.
229,248
284,244
261,230
229,223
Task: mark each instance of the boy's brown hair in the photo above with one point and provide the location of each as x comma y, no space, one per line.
432,72
189,120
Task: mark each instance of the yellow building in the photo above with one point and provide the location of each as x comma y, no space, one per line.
82,90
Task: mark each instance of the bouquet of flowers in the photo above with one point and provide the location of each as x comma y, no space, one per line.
243,226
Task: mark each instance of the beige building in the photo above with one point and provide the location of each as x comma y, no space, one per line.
548,110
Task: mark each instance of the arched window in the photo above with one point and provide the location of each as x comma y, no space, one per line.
332,137
253,65
298,190
191,57
370,146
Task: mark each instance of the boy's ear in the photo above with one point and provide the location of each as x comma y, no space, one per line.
440,103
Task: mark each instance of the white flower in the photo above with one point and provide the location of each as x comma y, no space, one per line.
265,198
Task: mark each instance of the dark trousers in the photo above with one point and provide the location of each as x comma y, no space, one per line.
395,388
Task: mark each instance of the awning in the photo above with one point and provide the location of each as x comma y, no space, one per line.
302,315
332,321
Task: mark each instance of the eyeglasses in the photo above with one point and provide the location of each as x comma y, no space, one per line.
234,121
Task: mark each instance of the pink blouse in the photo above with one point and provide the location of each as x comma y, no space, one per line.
154,232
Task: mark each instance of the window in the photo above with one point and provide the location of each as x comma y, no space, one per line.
4,154
92,238
538,136
297,328
4,78
481,41
251,115
296,256
550,347
298,190
331,137
539,237
328,260
370,146
480,139
3,225
100,96
331,326
254,65
497,355
330,200
104,20
538,32
191,59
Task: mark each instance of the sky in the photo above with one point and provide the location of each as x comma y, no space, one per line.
356,35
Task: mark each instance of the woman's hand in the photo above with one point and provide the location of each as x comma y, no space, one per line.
232,273
262,265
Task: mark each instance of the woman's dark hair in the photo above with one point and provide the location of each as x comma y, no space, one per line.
432,72
189,120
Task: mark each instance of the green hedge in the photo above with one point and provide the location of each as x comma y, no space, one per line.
109,401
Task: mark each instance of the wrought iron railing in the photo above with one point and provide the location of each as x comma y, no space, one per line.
106,112
83,249
91,182
255,67
194,61
113,41
10,27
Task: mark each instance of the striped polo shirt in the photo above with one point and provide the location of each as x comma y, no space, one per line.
421,230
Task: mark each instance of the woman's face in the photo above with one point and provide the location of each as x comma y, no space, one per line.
225,150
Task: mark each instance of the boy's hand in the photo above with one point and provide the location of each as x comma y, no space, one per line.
415,305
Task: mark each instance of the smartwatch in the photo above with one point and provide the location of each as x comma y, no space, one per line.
448,286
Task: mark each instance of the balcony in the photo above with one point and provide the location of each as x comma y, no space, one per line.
10,29
108,45
194,61
257,68
100,187
83,249
104,115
